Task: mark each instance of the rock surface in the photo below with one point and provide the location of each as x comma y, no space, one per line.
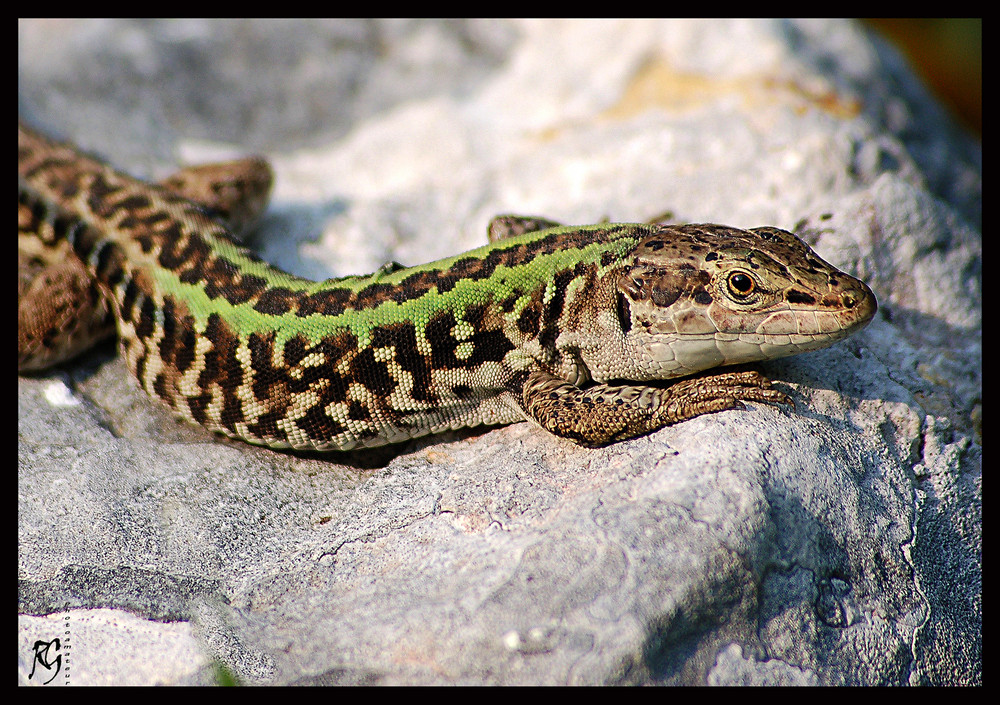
839,542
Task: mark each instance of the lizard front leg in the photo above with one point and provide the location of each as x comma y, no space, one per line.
603,414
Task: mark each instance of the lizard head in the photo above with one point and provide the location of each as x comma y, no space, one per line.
694,297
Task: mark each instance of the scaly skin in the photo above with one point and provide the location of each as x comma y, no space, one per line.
537,324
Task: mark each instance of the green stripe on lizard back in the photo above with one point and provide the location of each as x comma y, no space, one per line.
534,325
511,272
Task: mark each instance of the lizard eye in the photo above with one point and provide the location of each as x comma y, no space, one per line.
740,285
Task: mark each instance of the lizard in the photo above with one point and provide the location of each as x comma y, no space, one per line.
577,328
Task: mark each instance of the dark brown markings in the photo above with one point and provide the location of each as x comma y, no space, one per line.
334,348
488,345
111,265
190,263
177,346
373,374
794,296
507,304
471,268
419,283
664,296
85,241
702,297
269,386
374,294
223,369
160,386
169,332
276,301
129,297
319,425
131,205
403,338
273,386
38,212
266,426
222,278
198,406
239,289
329,302
99,196
554,308
443,344
356,411
530,319
59,175
177,252
147,221
295,351
145,326
47,223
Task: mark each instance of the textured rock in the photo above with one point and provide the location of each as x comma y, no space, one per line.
839,542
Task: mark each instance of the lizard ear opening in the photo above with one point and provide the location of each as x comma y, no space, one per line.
624,311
